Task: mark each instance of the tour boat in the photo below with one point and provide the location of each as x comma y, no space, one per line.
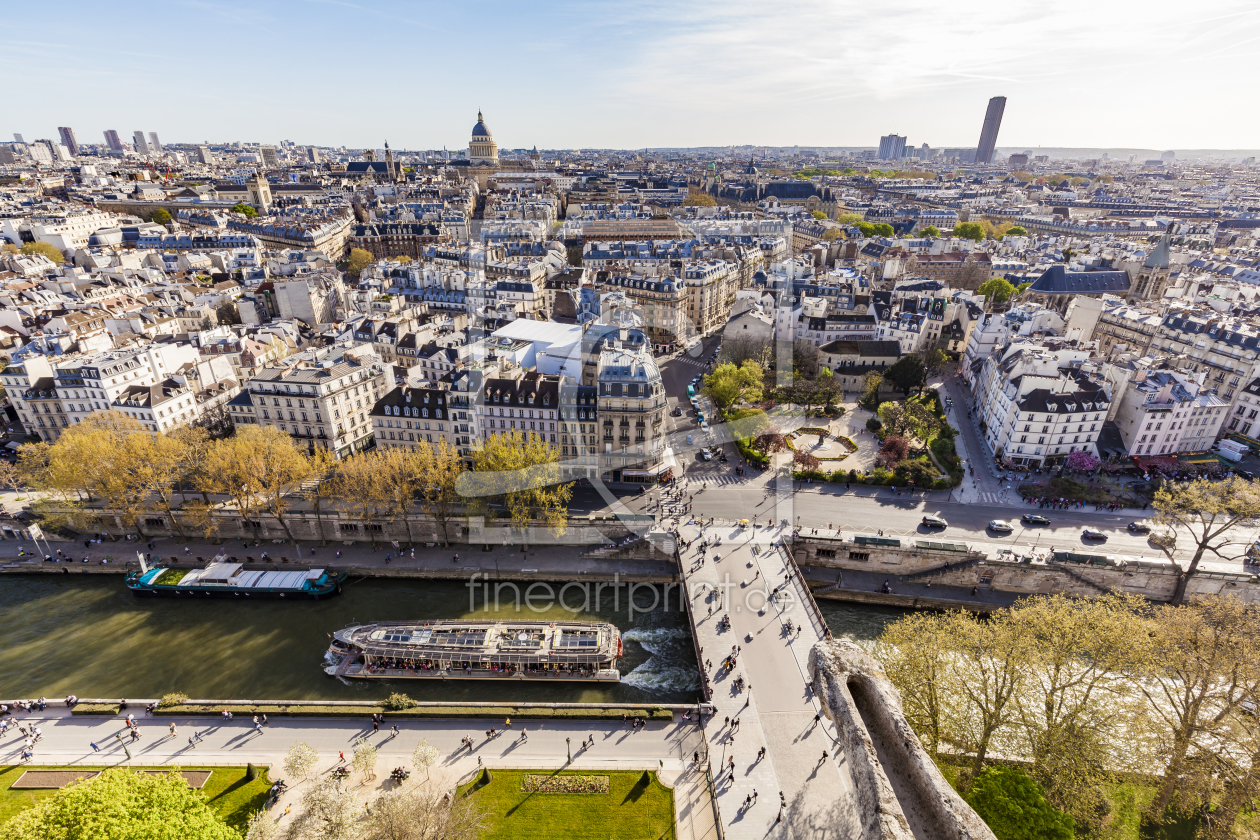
555,650
231,580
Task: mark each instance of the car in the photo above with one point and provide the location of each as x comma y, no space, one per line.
1093,534
706,454
691,391
1034,519
704,426
1000,525
689,440
1138,528
700,417
932,521
677,412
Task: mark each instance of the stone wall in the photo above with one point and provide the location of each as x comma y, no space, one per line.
901,795
1151,579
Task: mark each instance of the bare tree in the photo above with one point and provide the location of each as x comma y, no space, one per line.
418,814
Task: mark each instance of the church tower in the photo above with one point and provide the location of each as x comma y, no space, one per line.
259,192
1152,277
390,172
482,150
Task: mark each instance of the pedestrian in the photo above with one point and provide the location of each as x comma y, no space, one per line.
172,729
478,761
191,745
395,729
824,758
197,735
376,726
341,756
264,717
754,796
507,723
94,747
455,560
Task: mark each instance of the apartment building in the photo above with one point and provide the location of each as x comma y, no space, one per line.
1163,412
711,287
324,402
631,409
409,416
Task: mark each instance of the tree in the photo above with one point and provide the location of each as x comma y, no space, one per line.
161,217
258,467
1203,667
1019,290
573,254
893,415
996,291
228,313
906,374
1079,692
825,388
521,470
915,652
319,488
329,813
805,358
301,760
121,805
1014,807
246,210
882,229
359,259
698,198
988,666
364,758
359,483
832,234
425,756
1016,230
398,484
1206,511
438,470
805,462
892,451
262,826
818,215
871,383
921,421
1081,461
848,219
770,440
934,360
418,814
931,231
969,230
729,384
44,249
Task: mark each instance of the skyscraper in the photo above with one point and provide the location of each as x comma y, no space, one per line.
67,139
989,133
892,147
142,145
17,138
113,141
155,143
269,156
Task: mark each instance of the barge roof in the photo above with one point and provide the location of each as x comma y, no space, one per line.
483,641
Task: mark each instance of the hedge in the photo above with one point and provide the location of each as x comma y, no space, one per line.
96,709
366,710
751,455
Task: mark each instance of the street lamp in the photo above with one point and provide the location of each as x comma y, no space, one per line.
568,746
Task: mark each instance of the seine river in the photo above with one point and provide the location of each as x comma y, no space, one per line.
91,637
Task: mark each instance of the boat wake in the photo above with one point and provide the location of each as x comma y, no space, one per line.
666,669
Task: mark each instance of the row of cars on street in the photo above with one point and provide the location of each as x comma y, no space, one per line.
1002,526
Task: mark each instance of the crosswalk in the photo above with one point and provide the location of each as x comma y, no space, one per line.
986,498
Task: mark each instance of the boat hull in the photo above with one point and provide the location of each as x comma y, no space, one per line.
357,673
198,593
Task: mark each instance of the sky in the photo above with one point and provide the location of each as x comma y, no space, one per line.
651,73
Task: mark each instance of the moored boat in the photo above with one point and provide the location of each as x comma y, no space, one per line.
556,650
233,580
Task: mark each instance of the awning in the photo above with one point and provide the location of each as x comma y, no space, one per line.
637,474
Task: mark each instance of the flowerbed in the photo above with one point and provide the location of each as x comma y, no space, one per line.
564,784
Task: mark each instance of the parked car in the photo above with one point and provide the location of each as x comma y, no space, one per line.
1138,528
1034,519
704,426
933,521
706,454
1000,525
1093,534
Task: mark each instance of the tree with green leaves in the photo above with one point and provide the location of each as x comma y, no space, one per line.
1016,230
849,219
818,215
996,291
729,384
246,210
882,229
969,230
228,313
121,804
906,374
934,359
871,384
1206,512
44,249
931,231
1014,806
699,198
161,216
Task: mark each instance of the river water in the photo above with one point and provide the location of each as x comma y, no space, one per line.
91,637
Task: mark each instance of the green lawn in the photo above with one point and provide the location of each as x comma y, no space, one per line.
637,807
227,792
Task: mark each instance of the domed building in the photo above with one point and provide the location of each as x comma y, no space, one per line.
482,150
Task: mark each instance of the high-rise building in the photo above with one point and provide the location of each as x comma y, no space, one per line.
892,147
989,133
205,155
269,156
17,138
313,154
113,141
67,139
142,145
155,143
